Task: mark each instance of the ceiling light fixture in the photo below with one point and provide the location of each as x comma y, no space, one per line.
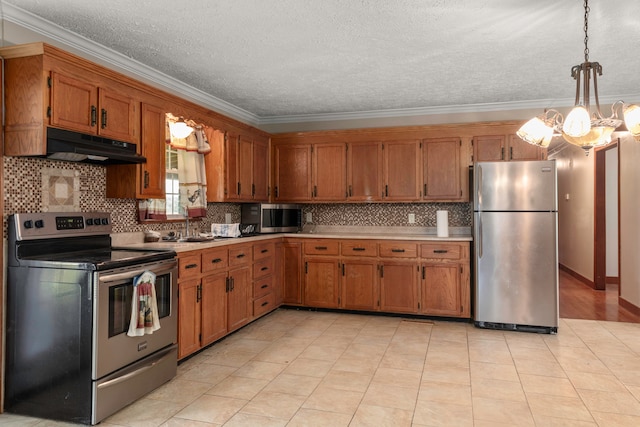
180,129
581,127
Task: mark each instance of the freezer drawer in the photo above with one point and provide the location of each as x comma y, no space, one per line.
516,269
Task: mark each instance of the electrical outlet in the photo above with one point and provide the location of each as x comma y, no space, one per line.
309,217
412,218
227,218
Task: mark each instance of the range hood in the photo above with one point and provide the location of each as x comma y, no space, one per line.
79,147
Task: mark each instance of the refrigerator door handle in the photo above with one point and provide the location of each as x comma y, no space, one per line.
479,235
479,188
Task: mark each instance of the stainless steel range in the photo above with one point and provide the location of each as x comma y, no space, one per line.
69,304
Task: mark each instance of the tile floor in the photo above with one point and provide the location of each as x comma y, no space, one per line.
301,368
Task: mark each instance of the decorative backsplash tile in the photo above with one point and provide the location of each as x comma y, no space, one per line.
35,185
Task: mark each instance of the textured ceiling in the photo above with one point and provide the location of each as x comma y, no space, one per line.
295,57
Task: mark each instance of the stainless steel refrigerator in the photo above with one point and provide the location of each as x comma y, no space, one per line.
516,245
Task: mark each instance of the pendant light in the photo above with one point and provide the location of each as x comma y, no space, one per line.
582,126
180,129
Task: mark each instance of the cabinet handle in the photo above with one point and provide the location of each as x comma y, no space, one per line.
397,250
264,251
239,186
264,303
315,191
240,256
253,190
277,193
264,286
264,268
502,154
216,260
440,251
423,272
226,282
146,179
199,293
350,194
342,269
94,115
424,190
382,271
103,118
233,283
386,190
510,153
321,248
191,266
358,249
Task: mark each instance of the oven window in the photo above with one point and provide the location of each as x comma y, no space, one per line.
120,303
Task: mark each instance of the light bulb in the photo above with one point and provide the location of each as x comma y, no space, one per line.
632,119
577,123
180,129
536,132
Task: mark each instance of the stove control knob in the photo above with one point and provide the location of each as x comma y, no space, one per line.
105,221
89,221
39,223
28,224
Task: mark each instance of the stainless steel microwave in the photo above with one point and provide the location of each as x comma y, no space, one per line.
272,218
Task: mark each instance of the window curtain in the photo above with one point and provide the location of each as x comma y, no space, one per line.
154,209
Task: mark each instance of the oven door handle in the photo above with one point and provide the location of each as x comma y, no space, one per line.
156,268
133,374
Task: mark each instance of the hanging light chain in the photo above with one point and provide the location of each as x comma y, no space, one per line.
586,28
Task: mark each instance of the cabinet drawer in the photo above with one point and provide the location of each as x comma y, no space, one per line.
239,255
188,266
263,250
264,304
262,287
398,249
263,268
359,248
322,247
440,250
215,260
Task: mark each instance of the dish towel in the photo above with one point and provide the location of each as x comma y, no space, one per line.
144,306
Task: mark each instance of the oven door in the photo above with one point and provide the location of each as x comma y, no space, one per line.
113,348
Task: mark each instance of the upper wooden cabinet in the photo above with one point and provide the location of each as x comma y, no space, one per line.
364,171
329,171
85,107
401,170
237,167
441,169
292,172
494,148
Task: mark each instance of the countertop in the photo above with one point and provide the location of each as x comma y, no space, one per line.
456,234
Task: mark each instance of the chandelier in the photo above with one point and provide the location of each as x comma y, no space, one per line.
582,127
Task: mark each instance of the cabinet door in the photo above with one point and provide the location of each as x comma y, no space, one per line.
239,298
293,172
74,104
402,170
117,115
245,168
291,267
520,150
152,173
489,148
441,294
321,282
260,170
364,171
231,166
213,308
359,285
399,286
329,172
188,317
441,169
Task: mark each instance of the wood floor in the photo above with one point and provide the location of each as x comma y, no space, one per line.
579,301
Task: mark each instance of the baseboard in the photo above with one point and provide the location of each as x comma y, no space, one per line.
629,306
612,280
578,276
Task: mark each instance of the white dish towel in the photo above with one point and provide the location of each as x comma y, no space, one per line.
144,306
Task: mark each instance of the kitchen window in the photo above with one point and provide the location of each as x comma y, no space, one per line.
172,184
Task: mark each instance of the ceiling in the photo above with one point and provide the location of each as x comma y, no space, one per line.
296,60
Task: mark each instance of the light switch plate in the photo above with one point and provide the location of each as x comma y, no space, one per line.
309,217
227,218
412,218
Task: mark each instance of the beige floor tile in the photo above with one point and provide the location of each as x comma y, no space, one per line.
442,414
607,419
300,385
414,348
211,409
229,357
544,421
175,422
381,341
336,330
260,370
446,374
506,372
302,332
357,365
502,411
607,401
497,389
144,412
245,345
274,405
541,354
179,390
322,352
635,391
390,396
535,367
547,385
208,373
443,392
330,399
587,381
365,351
333,341
351,381
314,418
436,356
571,408
378,416
249,420
238,387
309,367
280,353
397,377
402,361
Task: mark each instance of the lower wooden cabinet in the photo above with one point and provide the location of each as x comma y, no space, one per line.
292,269
359,285
398,286
321,282
239,298
214,308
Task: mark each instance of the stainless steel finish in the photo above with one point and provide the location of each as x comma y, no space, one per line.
516,255
273,217
115,391
112,353
101,224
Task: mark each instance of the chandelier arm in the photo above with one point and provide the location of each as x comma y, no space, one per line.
575,73
586,69
595,88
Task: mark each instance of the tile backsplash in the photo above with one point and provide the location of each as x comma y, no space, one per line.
34,185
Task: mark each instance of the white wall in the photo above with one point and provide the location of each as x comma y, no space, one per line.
575,215
629,152
611,191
